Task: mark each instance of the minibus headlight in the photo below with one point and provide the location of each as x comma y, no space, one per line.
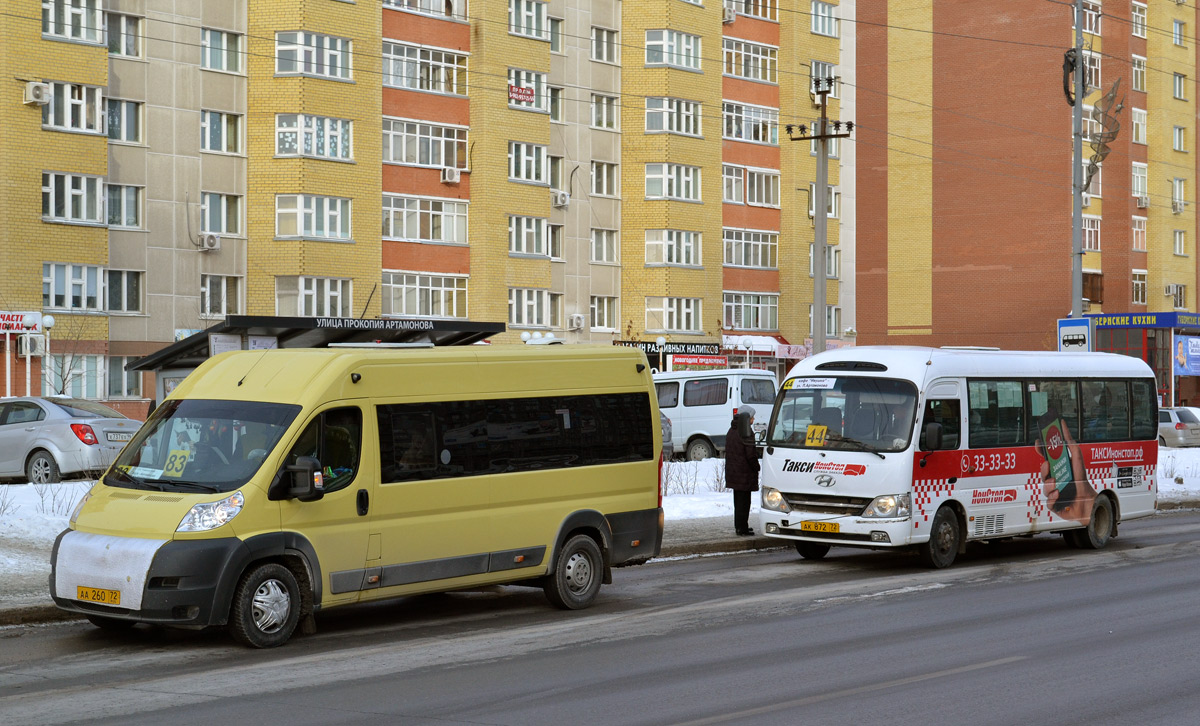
79,507
889,506
203,517
772,499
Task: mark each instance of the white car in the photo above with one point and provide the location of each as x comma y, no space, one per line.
43,438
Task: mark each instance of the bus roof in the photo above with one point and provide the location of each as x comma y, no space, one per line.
920,363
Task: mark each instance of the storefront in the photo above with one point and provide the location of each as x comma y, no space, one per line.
1168,342
667,356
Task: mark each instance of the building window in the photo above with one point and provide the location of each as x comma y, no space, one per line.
765,9
604,313
72,198
833,261
1139,287
1093,287
556,103
604,45
733,184
124,206
555,234
325,297
762,189
527,236
673,116
420,143
424,69
220,51
529,308
674,314
1091,233
673,48
424,295
73,19
1178,31
1091,69
753,61
1179,139
220,295
124,120
749,248
832,147
1179,86
71,287
311,54
556,35
308,215
220,213
1140,186
556,173
123,289
1094,187
1139,234
317,136
672,247
1179,297
605,179
833,319
220,132
604,245
1139,126
456,9
824,19
1180,238
1091,17
527,90
415,219
751,311
74,107
1178,192
673,181
750,123
527,162
1138,19
833,201
604,111
528,18
123,383
1139,73
820,70
78,376
124,35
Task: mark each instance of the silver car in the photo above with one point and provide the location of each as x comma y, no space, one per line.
1178,427
43,438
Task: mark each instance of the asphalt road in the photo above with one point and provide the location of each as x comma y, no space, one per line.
1026,632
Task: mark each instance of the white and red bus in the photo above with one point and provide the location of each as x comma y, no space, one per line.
895,446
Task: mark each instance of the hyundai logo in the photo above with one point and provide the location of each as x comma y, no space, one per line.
825,480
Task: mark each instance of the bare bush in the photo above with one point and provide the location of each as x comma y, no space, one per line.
59,499
682,477
717,483
7,505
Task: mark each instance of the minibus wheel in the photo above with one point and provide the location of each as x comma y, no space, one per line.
1099,528
812,550
266,606
578,571
942,546
699,449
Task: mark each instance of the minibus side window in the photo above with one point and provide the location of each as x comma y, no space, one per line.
706,392
758,390
334,438
1144,403
996,414
1060,396
1105,411
668,394
944,411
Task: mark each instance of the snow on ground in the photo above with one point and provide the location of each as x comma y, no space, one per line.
31,516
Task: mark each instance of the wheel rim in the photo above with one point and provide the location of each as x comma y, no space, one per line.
578,572
271,606
944,538
697,452
1102,523
40,470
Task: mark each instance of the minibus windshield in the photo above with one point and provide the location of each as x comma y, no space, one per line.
201,446
846,413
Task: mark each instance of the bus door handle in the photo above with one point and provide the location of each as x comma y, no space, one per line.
364,502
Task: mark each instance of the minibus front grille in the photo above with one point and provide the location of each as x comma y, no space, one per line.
826,504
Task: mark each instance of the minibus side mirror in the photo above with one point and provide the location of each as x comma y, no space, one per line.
933,437
307,480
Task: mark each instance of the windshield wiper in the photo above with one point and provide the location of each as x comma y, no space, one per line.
184,482
122,475
858,445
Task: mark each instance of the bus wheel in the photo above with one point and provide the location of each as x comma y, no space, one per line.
699,449
266,607
812,550
942,546
1099,527
575,580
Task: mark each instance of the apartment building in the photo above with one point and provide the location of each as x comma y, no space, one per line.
964,165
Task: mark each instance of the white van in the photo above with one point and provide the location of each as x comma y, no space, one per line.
702,404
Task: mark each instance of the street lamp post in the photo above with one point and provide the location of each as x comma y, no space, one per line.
659,343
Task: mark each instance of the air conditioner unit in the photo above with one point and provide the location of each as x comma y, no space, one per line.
1177,207
730,15
1143,202
37,94
559,199
31,345
575,321
450,175
1087,200
210,242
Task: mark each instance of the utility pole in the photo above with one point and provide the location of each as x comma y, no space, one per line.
1077,172
822,87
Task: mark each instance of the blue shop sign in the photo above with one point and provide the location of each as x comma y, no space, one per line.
1148,320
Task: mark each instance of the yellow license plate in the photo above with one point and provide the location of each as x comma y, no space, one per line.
95,594
820,527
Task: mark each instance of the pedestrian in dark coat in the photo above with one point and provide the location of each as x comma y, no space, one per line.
741,470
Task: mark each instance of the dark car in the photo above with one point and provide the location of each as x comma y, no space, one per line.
668,445
43,438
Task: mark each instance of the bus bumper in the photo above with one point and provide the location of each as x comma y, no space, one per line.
844,531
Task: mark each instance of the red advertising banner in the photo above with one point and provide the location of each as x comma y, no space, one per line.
678,362
15,322
524,95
